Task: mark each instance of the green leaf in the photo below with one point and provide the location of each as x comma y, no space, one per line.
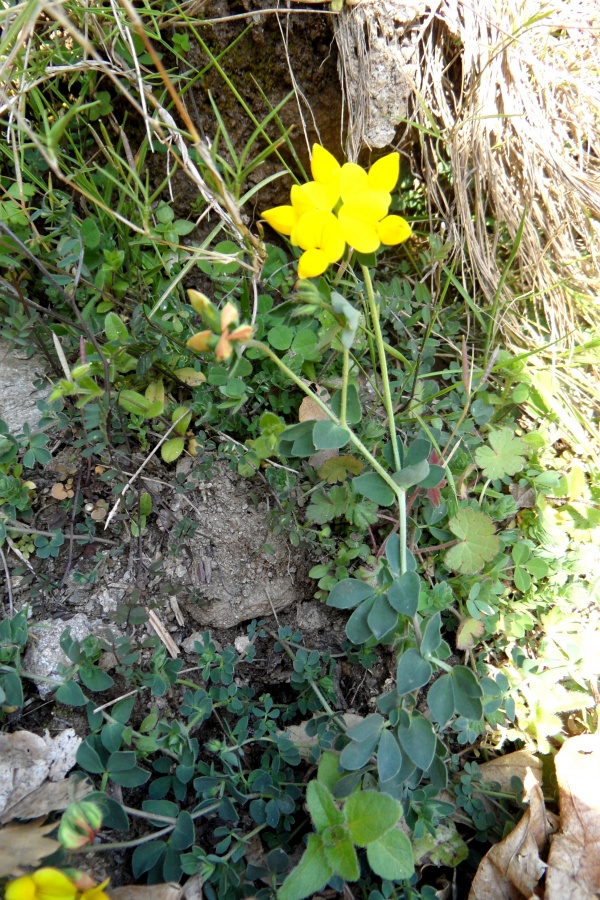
478,542
369,815
389,756
440,699
403,593
382,618
71,694
328,772
411,475
184,833
327,436
172,449
94,679
372,486
418,452
357,754
115,329
432,635
412,673
88,759
310,875
146,856
469,631
134,403
342,857
321,806
391,856
369,726
348,593
184,424
357,626
91,234
467,693
353,407
522,579
418,741
281,337
505,456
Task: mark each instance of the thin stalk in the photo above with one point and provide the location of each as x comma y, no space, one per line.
344,398
385,381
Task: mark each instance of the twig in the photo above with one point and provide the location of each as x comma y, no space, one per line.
22,529
142,467
8,584
71,535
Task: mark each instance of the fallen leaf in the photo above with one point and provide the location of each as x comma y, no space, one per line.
310,410
512,869
28,760
503,768
50,796
574,861
25,846
170,891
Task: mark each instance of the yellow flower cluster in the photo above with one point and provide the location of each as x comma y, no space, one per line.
52,884
360,220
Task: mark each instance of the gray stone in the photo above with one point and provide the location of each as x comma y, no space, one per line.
44,655
18,399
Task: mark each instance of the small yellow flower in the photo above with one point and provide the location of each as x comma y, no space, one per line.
222,344
52,884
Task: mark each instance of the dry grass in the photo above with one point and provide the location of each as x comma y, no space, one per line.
510,93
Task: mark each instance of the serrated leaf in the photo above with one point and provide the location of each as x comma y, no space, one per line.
321,806
339,467
505,455
469,631
478,542
190,376
310,875
391,856
327,436
172,449
369,815
372,486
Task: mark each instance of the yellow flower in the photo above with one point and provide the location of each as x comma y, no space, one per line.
52,884
366,199
362,219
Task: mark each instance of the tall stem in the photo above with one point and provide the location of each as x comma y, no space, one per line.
344,400
389,408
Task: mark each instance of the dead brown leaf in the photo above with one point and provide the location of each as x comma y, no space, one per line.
310,410
50,796
512,869
574,861
170,891
24,846
505,767
28,760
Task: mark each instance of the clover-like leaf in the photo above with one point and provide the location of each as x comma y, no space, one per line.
478,543
505,455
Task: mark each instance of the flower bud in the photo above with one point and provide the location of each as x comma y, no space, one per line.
80,824
205,309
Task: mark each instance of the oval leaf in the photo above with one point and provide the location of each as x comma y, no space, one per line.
372,486
172,449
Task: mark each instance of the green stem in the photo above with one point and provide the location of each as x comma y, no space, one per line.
385,381
400,494
344,400
389,408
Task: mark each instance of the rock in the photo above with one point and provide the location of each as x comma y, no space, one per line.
44,655
18,399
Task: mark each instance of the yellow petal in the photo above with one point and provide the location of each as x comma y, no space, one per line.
20,889
281,218
201,341
359,234
332,239
229,316
353,180
318,194
309,230
383,175
96,892
52,884
312,263
393,230
370,206
323,165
